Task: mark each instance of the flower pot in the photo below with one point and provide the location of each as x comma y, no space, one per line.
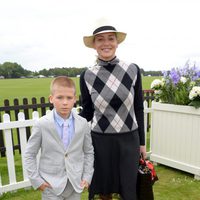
175,138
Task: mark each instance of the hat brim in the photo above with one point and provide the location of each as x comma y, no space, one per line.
89,40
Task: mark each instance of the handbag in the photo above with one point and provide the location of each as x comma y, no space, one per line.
146,178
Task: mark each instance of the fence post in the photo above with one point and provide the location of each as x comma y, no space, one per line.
34,101
9,151
7,103
43,109
2,145
16,103
148,96
26,112
23,139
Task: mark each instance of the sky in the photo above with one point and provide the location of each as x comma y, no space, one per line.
38,34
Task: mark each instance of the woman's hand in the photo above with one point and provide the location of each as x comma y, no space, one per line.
143,151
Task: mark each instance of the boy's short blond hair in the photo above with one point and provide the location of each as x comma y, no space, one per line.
63,81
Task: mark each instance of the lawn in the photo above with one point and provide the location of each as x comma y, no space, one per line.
37,87
27,88
172,185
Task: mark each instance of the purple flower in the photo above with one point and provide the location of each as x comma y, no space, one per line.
198,74
174,75
177,84
184,71
165,74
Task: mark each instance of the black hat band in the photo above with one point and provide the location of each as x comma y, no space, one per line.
104,28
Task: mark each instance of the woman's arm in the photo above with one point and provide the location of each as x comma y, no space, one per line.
86,101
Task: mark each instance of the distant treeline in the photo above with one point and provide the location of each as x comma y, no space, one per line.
14,70
151,73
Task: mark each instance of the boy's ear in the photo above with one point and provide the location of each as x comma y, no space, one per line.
50,98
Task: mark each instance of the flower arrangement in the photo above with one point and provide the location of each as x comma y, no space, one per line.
180,86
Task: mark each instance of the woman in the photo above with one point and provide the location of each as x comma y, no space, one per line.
112,100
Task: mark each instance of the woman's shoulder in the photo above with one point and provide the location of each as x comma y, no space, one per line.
129,65
90,72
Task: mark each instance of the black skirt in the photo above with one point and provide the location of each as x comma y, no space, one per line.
116,164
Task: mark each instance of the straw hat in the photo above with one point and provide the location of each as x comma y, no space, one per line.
103,26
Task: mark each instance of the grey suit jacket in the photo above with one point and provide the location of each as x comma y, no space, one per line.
56,165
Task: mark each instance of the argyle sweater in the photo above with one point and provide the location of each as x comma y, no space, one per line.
112,98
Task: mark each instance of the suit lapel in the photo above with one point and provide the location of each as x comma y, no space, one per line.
52,128
53,131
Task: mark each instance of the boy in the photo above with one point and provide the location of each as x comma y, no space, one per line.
65,166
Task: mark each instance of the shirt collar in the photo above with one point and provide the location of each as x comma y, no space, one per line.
113,62
60,120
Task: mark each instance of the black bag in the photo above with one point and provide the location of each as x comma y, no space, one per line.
146,178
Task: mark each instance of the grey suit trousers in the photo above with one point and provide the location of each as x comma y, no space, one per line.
68,194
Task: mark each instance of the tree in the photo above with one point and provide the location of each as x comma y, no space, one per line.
13,70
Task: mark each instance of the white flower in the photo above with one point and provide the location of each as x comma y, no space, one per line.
183,79
195,92
163,80
157,83
192,83
157,91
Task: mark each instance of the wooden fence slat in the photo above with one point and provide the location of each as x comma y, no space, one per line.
23,139
2,145
17,146
9,151
42,101
26,112
34,102
16,124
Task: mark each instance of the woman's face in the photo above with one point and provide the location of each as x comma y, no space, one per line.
106,45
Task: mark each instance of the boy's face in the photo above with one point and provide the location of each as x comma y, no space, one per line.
63,100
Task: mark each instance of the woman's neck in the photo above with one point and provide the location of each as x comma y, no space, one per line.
113,62
107,60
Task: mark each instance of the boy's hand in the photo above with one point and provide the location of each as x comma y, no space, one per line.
84,184
43,186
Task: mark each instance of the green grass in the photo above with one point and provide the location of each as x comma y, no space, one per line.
27,88
175,185
146,81
172,185
38,87
23,88
29,193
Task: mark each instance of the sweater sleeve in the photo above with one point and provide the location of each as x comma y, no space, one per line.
86,101
139,107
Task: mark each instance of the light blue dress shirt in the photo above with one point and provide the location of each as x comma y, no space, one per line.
59,126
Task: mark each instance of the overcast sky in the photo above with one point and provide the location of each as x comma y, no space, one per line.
39,34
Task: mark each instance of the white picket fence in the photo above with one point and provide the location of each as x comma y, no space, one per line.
7,127
21,124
